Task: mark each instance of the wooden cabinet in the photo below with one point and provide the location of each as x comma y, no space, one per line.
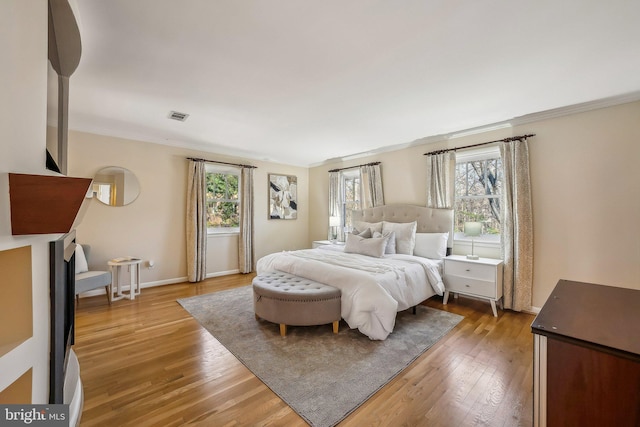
480,278
587,357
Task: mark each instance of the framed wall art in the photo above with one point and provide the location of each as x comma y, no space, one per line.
283,196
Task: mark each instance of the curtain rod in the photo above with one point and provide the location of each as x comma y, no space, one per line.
222,163
513,138
353,167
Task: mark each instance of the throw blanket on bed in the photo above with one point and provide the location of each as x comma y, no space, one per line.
373,289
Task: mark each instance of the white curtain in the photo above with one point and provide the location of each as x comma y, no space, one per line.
245,240
371,181
517,226
336,200
441,169
196,226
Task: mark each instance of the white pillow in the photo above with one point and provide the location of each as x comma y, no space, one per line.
81,260
362,233
431,245
373,246
362,225
405,235
391,243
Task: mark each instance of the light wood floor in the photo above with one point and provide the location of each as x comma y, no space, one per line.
148,363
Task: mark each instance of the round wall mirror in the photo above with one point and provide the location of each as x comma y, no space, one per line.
115,186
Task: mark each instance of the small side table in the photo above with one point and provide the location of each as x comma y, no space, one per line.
480,278
115,288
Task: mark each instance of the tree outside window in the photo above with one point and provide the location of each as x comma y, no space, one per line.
351,196
478,190
223,201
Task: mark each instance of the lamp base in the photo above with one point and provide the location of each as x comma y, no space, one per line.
475,257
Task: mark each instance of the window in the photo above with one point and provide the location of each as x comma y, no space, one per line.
478,191
351,191
223,199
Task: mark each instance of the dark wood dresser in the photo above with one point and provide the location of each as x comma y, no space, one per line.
587,357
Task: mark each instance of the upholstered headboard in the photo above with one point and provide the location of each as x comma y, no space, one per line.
429,220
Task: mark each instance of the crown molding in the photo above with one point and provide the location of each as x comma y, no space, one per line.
513,122
576,108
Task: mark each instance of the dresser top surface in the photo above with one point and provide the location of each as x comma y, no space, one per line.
602,315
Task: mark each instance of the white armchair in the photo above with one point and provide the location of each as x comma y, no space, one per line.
87,280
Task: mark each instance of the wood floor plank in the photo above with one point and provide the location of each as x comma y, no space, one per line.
147,362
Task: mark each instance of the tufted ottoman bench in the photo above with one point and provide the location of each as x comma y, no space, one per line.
291,300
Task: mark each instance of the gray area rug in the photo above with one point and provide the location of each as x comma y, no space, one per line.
320,375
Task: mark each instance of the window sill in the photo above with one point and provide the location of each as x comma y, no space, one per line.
477,243
482,248
222,234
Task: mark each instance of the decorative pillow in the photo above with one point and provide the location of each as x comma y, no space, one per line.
405,235
359,245
374,226
81,260
391,243
431,245
364,233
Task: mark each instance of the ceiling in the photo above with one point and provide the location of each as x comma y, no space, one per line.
301,82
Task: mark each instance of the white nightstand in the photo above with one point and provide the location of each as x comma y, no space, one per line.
480,278
317,243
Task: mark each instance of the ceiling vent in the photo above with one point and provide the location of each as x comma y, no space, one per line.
181,117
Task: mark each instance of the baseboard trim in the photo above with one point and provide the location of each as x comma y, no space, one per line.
532,310
222,273
162,282
159,283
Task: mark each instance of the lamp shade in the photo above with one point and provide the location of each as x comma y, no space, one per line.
472,228
334,221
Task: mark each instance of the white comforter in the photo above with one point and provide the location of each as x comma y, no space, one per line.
373,289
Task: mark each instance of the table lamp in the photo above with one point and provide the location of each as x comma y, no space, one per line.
334,223
472,229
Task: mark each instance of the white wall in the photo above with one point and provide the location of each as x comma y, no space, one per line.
586,199
153,226
585,188
23,47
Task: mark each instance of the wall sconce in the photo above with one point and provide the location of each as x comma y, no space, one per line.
472,229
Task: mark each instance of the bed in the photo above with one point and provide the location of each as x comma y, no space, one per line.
376,285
